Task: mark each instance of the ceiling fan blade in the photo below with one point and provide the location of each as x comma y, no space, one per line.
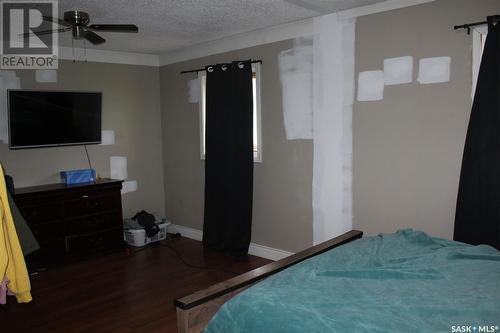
44,32
56,20
114,27
93,37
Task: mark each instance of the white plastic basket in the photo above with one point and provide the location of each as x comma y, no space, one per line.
137,237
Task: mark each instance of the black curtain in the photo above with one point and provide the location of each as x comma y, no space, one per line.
229,158
477,219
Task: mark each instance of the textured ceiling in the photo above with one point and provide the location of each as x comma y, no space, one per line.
167,25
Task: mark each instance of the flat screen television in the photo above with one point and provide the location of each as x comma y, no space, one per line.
53,118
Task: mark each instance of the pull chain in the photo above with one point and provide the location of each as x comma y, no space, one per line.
85,50
73,48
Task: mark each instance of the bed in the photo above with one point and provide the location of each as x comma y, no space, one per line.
402,282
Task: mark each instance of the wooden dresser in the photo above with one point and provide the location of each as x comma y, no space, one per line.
72,222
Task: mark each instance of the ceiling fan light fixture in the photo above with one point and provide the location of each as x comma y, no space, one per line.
77,17
78,32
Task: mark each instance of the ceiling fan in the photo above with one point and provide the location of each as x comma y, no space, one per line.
78,23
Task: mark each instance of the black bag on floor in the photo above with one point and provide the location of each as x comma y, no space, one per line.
147,221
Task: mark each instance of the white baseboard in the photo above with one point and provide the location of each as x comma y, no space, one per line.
268,252
255,249
186,231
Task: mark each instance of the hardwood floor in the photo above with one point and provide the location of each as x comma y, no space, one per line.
122,292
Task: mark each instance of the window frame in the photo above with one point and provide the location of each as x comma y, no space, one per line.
257,154
479,34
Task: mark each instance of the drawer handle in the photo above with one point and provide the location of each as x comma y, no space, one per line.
85,196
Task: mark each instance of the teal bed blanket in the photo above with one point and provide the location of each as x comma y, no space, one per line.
402,282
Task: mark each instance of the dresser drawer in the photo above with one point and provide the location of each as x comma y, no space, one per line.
48,231
44,213
91,204
72,222
49,254
94,241
50,251
91,223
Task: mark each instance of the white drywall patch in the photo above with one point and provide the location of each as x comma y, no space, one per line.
398,70
8,80
333,90
370,86
129,186
46,75
434,70
194,87
118,167
296,75
107,137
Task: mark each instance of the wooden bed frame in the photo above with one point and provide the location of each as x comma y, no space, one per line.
195,310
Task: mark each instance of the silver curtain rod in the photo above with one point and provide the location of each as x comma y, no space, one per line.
203,69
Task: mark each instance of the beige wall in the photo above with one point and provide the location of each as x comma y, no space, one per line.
408,147
282,182
131,107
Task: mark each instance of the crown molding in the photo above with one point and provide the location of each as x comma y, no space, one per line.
380,7
275,33
226,44
240,41
107,56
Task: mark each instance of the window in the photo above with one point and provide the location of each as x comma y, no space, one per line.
257,131
478,40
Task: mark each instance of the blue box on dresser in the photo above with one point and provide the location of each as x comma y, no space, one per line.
71,177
